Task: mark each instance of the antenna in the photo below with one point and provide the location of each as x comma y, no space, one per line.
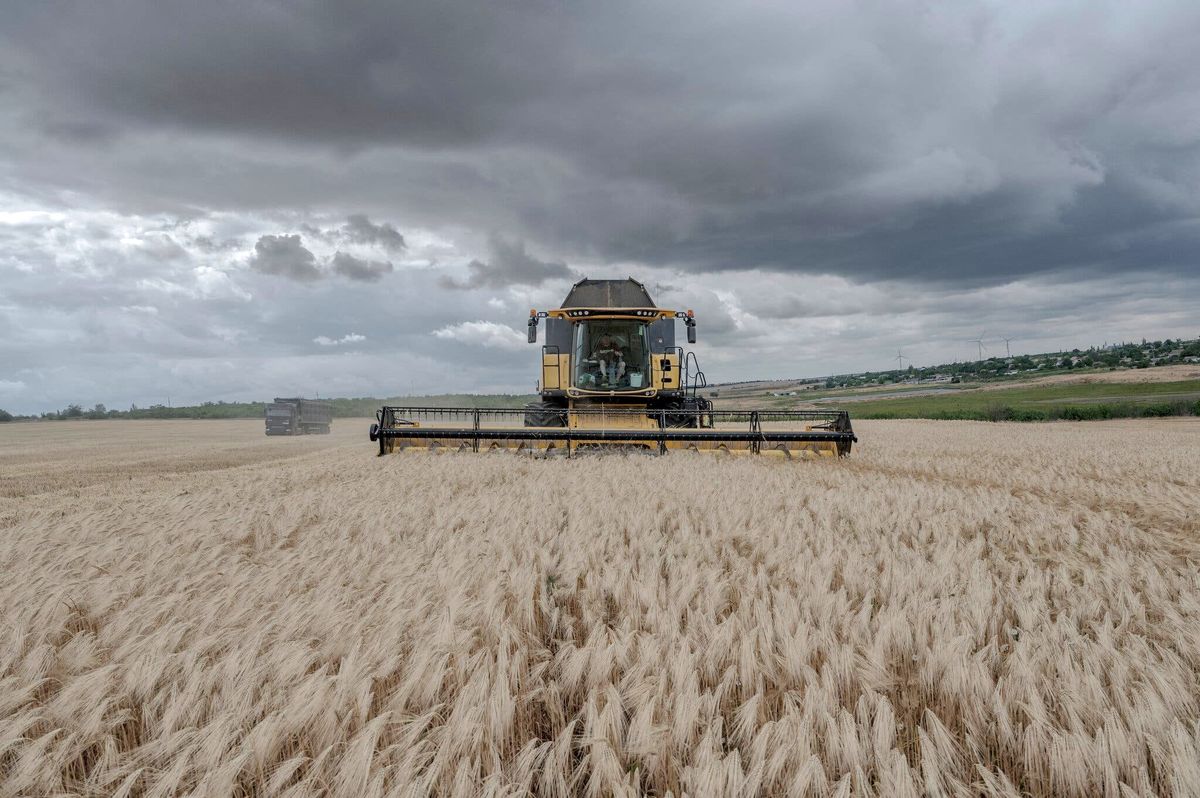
1007,350
979,342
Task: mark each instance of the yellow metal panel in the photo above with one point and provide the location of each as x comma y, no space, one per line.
634,314
619,420
656,373
556,371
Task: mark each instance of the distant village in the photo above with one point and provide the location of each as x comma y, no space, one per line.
1109,357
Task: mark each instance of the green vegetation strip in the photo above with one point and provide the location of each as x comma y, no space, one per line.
1079,402
363,407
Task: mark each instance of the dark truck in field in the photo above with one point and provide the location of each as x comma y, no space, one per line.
298,417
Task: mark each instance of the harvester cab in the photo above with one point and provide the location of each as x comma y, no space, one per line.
609,348
612,375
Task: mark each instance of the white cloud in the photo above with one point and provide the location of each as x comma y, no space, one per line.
24,217
348,338
488,334
215,284
11,387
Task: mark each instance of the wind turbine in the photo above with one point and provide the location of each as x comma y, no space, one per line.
1007,350
979,341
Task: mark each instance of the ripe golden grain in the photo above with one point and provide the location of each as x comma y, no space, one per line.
959,609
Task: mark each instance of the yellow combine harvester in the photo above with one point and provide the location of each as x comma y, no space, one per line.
612,377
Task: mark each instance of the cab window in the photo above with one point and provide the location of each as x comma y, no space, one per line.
611,355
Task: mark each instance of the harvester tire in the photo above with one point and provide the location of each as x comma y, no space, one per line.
544,414
680,419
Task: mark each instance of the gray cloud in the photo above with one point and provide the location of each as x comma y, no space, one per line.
354,268
892,141
509,265
360,230
210,246
284,256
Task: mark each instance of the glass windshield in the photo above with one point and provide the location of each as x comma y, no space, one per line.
279,410
611,355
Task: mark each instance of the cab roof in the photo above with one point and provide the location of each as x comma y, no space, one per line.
627,293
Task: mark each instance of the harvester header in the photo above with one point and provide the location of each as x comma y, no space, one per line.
613,376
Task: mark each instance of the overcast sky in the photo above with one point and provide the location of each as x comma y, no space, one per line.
234,200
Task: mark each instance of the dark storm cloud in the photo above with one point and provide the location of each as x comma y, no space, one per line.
360,230
509,265
284,256
352,268
965,142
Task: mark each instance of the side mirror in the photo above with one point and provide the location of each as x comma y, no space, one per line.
532,332
691,328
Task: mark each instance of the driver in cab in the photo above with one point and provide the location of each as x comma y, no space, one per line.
612,359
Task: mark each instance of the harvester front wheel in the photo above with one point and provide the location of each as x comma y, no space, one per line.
544,414
687,418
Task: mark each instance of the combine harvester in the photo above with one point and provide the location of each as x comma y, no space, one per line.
612,377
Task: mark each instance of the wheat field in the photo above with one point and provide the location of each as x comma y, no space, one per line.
959,609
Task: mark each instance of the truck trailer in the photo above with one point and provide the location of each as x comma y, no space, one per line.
296,416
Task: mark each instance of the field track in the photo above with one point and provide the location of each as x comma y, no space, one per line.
958,609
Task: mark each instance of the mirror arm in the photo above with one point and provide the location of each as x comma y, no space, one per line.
533,324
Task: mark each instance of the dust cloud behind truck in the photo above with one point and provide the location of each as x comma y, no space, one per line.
298,416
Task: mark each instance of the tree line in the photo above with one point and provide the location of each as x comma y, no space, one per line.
358,407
